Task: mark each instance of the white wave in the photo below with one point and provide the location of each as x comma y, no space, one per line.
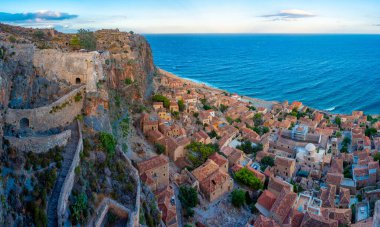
331,108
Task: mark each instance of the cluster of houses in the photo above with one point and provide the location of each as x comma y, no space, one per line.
324,171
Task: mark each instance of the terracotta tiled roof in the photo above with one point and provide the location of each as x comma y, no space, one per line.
328,196
213,181
169,212
283,204
205,170
266,199
263,221
294,218
317,220
334,178
344,195
276,185
152,163
336,165
218,159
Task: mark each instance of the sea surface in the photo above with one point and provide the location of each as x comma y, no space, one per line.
337,73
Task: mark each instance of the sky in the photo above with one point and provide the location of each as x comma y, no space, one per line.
197,16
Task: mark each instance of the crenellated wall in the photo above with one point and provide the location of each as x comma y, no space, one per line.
39,144
73,67
69,180
58,114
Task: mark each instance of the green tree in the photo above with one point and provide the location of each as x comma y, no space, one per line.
160,149
74,42
87,39
181,105
338,134
79,209
370,132
246,177
266,161
161,98
223,108
338,121
376,157
258,119
246,146
188,196
238,197
199,152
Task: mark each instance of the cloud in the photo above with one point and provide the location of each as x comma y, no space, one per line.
39,16
290,14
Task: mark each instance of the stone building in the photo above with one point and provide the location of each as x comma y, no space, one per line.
284,167
155,172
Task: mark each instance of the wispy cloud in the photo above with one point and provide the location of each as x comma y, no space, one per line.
289,14
40,16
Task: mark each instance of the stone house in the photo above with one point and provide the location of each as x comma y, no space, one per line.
284,167
173,107
213,180
154,172
149,122
167,206
201,137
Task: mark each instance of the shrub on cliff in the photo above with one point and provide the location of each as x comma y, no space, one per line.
108,142
87,39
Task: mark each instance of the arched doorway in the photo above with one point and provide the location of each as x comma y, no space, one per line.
77,80
24,123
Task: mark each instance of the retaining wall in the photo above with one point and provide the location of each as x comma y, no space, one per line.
135,214
106,205
60,113
39,144
69,181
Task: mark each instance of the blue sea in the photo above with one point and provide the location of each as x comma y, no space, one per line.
337,73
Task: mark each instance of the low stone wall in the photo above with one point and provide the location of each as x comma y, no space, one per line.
69,181
106,205
135,214
39,144
60,113
74,67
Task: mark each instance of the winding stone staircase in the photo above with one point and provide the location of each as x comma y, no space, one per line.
68,156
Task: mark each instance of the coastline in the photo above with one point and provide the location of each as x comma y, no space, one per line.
255,101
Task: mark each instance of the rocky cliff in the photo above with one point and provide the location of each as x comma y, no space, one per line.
39,68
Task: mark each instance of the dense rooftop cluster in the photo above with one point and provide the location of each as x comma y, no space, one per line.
322,168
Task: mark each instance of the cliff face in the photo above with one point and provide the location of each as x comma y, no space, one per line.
39,68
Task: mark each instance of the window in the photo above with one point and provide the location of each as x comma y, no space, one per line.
24,123
77,81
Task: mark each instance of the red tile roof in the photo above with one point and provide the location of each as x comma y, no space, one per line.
152,163
218,159
267,199
283,204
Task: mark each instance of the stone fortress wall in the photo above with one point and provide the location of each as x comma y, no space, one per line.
39,144
58,114
73,67
69,180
